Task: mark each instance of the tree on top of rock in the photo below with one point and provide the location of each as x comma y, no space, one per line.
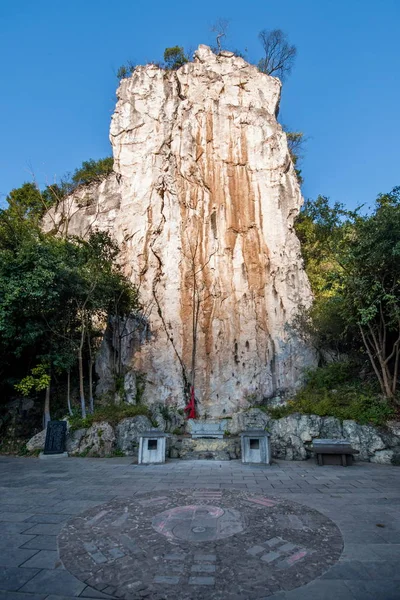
174,57
279,53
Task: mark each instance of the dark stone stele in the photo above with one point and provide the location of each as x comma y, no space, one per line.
55,437
196,544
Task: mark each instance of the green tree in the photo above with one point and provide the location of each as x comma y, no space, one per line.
295,142
174,57
28,202
56,296
353,264
93,170
371,287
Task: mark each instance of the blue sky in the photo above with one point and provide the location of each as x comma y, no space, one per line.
59,59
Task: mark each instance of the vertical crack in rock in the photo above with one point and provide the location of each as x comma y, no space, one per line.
201,163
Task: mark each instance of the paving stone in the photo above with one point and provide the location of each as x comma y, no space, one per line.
42,542
53,582
11,579
270,557
383,569
89,592
164,579
383,589
57,597
44,559
203,568
205,557
321,590
179,557
22,596
14,557
255,550
349,569
15,517
201,580
48,518
10,528
45,529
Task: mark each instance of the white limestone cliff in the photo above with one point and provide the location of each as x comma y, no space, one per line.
202,202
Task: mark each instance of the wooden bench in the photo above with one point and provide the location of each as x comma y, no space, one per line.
333,452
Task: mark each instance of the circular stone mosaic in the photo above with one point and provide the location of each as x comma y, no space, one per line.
196,544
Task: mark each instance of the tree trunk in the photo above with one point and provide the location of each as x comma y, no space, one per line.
46,415
69,392
80,365
378,362
91,401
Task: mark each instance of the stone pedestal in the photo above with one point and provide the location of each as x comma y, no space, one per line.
44,456
256,447
152,445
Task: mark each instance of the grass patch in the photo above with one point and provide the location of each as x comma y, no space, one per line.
111,413
338,391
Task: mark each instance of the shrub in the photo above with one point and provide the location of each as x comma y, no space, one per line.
93,170
337,391
174,57
126,70
111,413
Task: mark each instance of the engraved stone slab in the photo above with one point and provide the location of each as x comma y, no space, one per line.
237,545
55,437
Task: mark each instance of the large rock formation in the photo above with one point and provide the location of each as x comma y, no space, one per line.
202,204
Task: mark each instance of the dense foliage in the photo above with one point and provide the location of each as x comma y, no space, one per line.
338,390
353,263
56,295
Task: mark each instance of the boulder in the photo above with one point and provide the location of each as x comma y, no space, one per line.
290,434
97,440
168,418
394,429
37,441
364,438
73,440
254,418
128,431
382,457
331,427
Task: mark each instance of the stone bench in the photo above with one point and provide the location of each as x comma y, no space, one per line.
206,428
333,452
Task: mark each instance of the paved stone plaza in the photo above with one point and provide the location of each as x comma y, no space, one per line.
104,528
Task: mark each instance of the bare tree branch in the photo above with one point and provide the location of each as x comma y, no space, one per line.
279,54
